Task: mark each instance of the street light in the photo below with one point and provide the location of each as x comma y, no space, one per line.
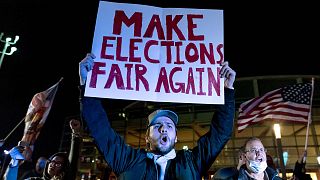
277,133
7,42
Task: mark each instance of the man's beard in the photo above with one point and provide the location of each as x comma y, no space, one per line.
162,150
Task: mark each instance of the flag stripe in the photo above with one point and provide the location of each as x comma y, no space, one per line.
252,103
274,112
284,106
277,117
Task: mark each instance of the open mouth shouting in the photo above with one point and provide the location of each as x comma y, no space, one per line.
259,160
164,139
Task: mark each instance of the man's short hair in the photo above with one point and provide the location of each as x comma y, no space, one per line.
249,140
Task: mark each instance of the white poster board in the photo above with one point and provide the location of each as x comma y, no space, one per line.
157,54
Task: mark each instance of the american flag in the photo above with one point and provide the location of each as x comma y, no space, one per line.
290,103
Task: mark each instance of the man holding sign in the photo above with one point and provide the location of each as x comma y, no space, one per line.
160,161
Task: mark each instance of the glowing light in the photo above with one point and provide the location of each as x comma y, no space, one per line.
6,152
277,132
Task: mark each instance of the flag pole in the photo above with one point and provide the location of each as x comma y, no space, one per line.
2,141
60,79
309,116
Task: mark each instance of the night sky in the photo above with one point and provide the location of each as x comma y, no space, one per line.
263,38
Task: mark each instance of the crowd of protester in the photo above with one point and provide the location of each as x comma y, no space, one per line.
61,165
160,160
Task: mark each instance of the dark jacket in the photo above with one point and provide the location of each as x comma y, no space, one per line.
272,174
227,173
231,173
31,173
133,163
299,171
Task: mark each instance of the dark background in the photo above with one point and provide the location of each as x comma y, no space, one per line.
261,38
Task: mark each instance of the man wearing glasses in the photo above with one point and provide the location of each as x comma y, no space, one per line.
256,162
